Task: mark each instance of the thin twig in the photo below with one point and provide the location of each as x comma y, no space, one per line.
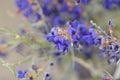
117,72
94,72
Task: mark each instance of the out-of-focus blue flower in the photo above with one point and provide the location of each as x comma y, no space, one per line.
118,3
28,12
48,1
86,2
61,1
92,33
76,38
88,40
19,47
77,66
76,12
108,4
56,54
57,21
78,1
111,25
2,41
34,67
116,47
74,24
82,29
36,17
22,74
87,53
46,10
64,8
22,4
47,76
51,63
2,54
21,31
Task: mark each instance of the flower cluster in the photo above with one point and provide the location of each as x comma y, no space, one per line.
108,44
59,8
29,9
110,4
22,74
33,73
81,34
85,2
78,34
59,38
54,9
25,74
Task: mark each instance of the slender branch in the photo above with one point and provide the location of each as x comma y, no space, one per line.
117,72
94,72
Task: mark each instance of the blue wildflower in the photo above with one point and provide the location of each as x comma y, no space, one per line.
2,41
36,17
3,54
116,47
56,54
51,63
108,4
71,31
46,10
76,11
29,12
61,44
89,41
83,30
47,2
21,31
61,1
22,4
50,38
74,24
22,74
57,21
19,47
64,8
47,76
78,1
86,2
75,37
92,33
34,67
111,25
118,3
59,39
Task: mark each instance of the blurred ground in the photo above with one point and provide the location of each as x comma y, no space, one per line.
8,18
